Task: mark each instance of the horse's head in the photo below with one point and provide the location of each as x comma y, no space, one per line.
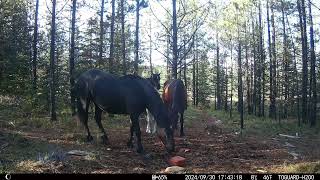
164,129
166,136
155,80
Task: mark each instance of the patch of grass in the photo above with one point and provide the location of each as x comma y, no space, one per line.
260,126
20,149
191,115
305,167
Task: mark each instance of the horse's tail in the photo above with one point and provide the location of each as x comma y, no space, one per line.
81,93
180,97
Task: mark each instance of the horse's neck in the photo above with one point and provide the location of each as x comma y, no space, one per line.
153,101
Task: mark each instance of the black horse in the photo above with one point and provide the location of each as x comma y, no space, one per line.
128,94
155,80
174,96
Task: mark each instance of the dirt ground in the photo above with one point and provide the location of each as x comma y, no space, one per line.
212,150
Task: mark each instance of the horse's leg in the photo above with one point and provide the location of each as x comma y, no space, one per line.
148,130
97,116
151,123
154,125
136,129
129,143
181,123
83,108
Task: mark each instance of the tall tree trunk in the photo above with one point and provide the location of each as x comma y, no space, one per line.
194,71
185,66
313,80
168,59
123,39
101,34
52,63
218,76
272,95
226,90
260,65
285,61
136,41
197,77
247,71
150,50
111,58
304,87
296,90
71,62
231,83
240,90
273,64
254,94
175,40
34,45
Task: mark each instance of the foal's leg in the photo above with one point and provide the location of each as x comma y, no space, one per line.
148,122
181,123
151,123
97,116
83,107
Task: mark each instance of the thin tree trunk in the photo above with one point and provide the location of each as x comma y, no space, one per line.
218,75
313,80
194,79
247,71
71,62
34,45
101,34
273,65
302,20
296,90
111,58
175,40
226,90
272,96
240,90
52,63
150,51
254,94
168,59
185,67
123,40
260,65
285,61
136,42
231,83
197,78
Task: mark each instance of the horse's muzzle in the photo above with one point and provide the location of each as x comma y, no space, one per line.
167,140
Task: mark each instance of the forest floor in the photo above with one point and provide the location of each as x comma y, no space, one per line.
35,145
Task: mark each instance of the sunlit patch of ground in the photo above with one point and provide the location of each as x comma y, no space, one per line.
39,146
304,167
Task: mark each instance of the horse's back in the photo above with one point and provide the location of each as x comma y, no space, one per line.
175,94
118,95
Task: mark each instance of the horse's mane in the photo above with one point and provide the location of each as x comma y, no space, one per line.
131,76
140,79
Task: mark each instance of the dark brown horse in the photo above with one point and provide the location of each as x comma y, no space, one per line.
174,97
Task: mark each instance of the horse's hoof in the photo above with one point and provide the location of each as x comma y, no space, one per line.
140,151
105,140
147,156
89,138
129,144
